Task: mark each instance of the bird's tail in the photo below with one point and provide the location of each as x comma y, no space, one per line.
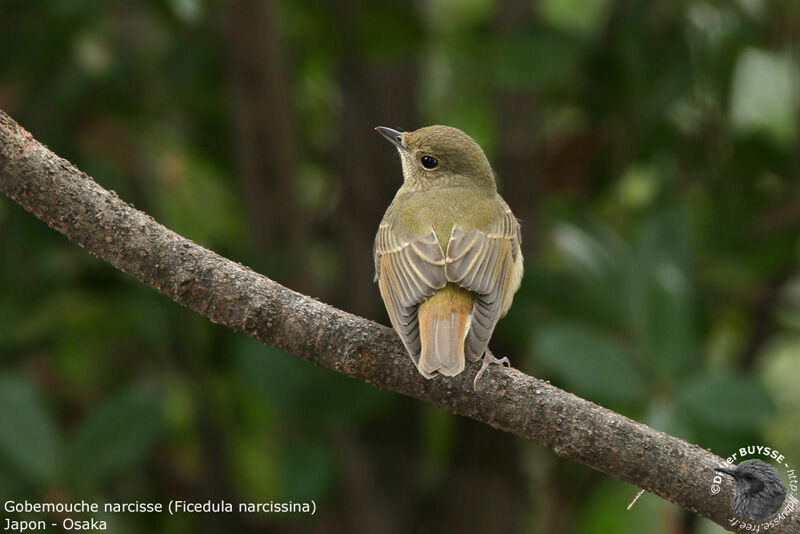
444,321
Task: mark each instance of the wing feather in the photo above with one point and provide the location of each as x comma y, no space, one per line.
485,262
409,271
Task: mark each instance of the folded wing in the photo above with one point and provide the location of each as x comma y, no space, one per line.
408,271
488,263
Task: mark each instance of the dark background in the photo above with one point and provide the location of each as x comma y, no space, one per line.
649,148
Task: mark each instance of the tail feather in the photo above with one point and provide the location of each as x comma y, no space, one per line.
444,322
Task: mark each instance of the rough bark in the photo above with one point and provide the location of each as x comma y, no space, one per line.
230,294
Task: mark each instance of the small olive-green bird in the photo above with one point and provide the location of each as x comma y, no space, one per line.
447,253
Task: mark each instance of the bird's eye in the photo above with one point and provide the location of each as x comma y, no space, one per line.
429,162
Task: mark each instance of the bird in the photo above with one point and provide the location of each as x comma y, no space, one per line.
757,489
447,252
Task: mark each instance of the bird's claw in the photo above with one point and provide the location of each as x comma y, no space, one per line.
489,359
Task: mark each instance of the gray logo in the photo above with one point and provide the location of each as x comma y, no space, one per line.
761,498
757,489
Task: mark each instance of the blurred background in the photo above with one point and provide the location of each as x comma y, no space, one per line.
649,148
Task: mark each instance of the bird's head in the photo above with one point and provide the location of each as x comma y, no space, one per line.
440,156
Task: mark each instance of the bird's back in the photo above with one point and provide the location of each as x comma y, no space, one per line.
446,318
441,209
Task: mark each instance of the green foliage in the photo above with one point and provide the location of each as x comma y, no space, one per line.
724,402
115,437
308,470
661,303
536,58
592,365
29,443
652,285
651,146
605,510
768,108
300,389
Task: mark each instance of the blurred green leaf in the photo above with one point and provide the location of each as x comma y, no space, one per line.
637,187
257,449
583,17
597,259
727,403
308,469
448,15
780,369
187,10
666,417
303,391
588,363
9,482
662,308
192,198
29,441
438,439
588,253
377,20
765,94
535,58
116,436
605,511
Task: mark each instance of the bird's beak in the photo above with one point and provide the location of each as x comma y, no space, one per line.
726,471
392,135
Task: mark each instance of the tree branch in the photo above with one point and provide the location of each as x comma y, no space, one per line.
230,294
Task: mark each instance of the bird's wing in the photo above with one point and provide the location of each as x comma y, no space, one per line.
408,270
486,262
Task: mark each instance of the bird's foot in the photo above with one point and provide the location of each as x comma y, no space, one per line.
489,359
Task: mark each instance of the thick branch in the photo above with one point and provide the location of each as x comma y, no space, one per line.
230,294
